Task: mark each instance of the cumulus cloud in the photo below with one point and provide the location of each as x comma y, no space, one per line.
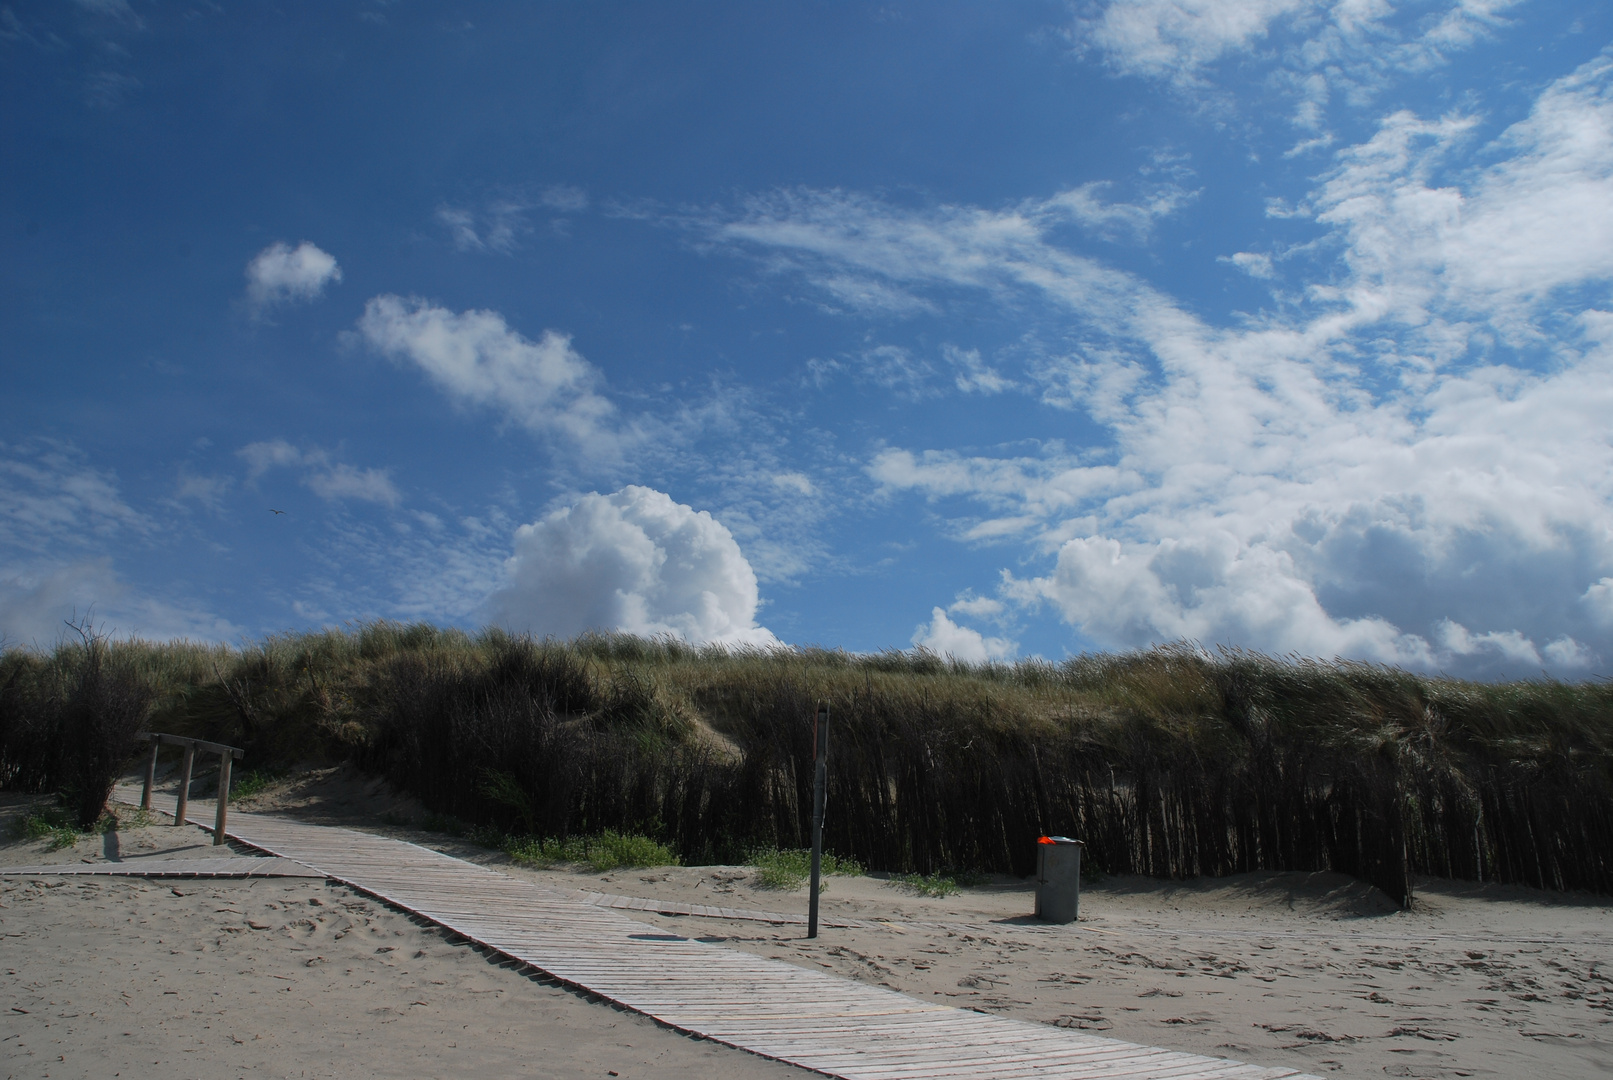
942,635
1417,444
634,561
282,274
333,481
477,359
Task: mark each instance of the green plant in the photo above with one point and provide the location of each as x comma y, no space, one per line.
610,850
927,884
789,868
133,819
488,836
443,823
605,851
544,853
254,782
53,824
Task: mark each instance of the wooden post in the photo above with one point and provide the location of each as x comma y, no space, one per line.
820,777
184,783
151,774
224,759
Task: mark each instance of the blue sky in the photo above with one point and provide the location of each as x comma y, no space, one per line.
1004,329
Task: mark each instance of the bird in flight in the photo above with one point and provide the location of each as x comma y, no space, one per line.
272,510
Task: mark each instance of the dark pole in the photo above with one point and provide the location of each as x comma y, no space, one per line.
820,776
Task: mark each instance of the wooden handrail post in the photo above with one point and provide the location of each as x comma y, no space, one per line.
184,783
151,774
223,798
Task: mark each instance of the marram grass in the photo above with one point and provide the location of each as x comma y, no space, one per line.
1173,762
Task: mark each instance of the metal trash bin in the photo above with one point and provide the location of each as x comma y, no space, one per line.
1058,879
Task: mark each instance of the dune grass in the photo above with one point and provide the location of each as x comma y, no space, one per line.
1173,762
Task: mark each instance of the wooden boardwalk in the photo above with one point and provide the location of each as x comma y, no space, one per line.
769,1007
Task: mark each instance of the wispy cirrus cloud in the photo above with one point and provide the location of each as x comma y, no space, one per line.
499,223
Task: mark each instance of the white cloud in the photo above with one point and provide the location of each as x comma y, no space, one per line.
332,481
1599,599
633,561
1133,221
495,227
1313,52
544,385
1352,475
943,636
58,517
1252,263
281,274
1565,652
1537,222
1176,38
499,223
974,376
897,370
37,602
336,481
795,483
565,198
978,607
51,499
1507,643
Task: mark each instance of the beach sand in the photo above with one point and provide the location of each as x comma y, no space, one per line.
1312,971
285,977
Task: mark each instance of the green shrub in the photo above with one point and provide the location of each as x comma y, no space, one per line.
604,851
254,782
610,850
544,853
57,826
443,823
943,884
789,868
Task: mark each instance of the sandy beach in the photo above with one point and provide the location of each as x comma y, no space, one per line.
296,977
287,977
